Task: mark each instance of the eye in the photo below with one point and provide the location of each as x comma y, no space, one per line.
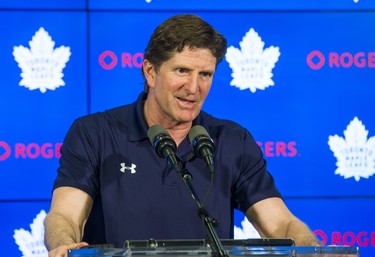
182,70
206,74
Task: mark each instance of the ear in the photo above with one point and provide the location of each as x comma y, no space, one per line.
149,72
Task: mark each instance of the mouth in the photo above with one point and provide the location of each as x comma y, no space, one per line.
186,102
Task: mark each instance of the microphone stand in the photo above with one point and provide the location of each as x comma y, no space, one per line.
213,239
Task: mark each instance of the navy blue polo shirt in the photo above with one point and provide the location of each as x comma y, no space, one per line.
138,196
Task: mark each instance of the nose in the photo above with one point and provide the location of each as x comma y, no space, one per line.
192,84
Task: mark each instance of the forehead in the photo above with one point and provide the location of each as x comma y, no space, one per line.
194,56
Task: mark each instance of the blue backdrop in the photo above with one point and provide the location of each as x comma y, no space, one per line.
308,100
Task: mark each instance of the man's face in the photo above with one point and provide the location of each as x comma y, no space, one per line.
181,85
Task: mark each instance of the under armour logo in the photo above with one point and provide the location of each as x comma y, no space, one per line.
131,168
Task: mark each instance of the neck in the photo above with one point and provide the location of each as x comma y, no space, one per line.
177,130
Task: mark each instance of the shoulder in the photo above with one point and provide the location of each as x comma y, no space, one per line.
230,136
117,115
218,127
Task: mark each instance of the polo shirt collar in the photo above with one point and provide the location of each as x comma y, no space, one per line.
137,125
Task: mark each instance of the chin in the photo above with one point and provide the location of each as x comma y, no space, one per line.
187,119
187,116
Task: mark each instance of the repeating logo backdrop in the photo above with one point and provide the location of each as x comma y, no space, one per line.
301,80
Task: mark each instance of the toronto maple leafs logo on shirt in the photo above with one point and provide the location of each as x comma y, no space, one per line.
41,65
355,153
32,244
252,64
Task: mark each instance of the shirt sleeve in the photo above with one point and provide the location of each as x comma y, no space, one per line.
78,161
255,183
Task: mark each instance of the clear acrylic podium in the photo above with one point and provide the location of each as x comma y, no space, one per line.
193,248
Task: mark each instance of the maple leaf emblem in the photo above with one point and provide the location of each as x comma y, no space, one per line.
355,154
247,230
32,244
41,65
252,65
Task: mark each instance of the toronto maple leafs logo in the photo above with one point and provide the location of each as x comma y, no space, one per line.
41,65
247,230
32,244
355,153
252,64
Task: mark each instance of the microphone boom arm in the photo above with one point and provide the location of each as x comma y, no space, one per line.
213,239
165,147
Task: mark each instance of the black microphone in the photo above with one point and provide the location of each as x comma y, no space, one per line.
203,145
164,145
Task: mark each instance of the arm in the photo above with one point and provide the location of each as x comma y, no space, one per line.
65,221
273,219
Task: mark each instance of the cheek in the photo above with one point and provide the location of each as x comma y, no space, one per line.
205,89
169,83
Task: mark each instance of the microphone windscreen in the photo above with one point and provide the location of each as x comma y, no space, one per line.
155,130
197,131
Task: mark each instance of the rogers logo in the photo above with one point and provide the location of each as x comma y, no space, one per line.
316,60
278,149
29,151
108,60
362,238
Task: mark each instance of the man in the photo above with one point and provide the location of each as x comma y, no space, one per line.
111,184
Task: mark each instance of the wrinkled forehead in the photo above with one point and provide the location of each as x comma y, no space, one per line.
194,56
193,52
